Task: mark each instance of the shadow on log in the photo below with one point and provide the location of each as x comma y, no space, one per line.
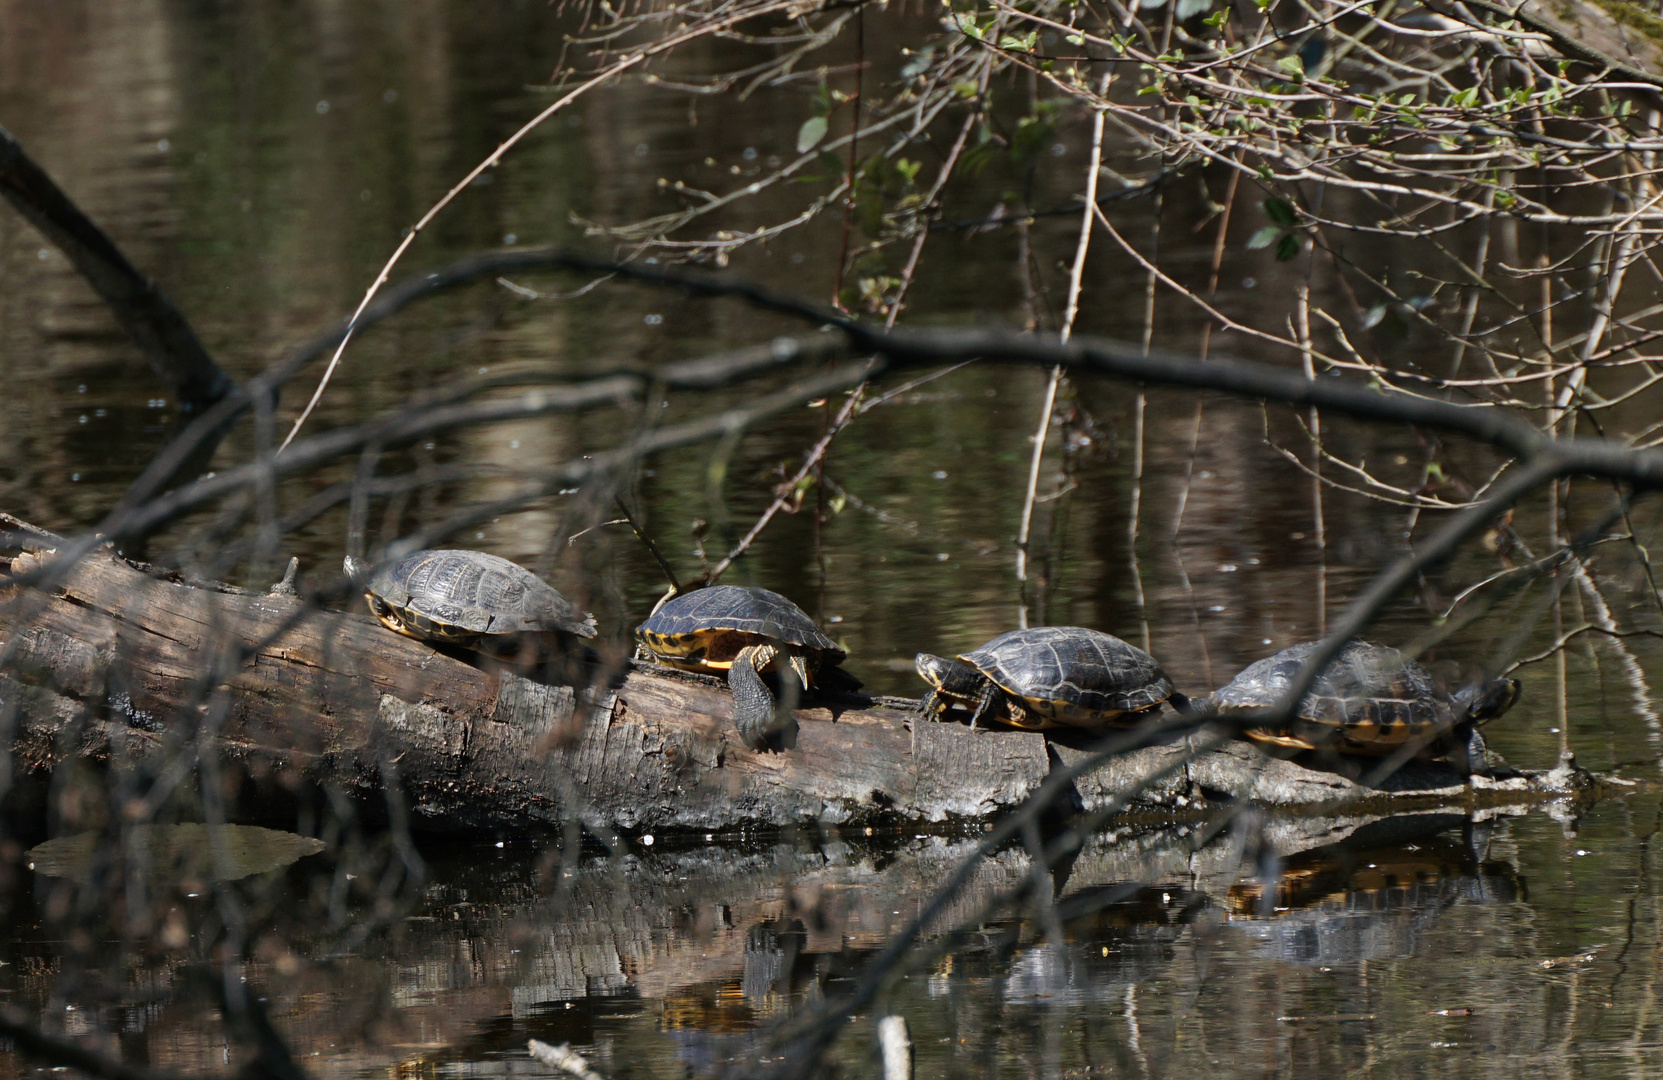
119,662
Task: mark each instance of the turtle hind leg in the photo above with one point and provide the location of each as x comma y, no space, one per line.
1469,754
753,702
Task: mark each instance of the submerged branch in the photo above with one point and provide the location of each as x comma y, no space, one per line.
155,325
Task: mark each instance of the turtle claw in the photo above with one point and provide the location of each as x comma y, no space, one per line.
799,665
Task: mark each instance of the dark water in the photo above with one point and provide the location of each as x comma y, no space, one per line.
261,160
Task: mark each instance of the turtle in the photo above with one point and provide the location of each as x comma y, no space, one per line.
1048,677
1370,700
465,598
743,631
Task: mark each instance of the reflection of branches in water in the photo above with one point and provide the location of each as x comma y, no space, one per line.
906,525
1437,133
34,1043
802,1039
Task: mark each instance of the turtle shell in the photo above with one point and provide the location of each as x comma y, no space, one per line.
705,629
1070,676
1370,699
452,595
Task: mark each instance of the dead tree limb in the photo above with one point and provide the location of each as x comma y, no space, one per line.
156,326
324,696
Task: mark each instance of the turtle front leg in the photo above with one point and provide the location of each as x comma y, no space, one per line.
1470,755
753,703
988,702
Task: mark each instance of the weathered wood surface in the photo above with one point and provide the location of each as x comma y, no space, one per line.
110,659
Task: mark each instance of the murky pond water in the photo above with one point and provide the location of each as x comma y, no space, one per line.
261,160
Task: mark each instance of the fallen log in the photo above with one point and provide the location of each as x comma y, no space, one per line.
105,658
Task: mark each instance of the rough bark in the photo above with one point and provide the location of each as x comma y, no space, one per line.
115,661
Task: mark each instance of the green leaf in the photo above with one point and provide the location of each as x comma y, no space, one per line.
1293,65
1218,18
810,134
977,158
868,214
1288,248
1264,237
1281,212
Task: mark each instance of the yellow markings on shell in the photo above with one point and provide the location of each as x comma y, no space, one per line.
1044,707
685,652
1292,742
1363,731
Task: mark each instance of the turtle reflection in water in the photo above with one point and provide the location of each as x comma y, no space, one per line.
1353,901
743,631
1113,936
1048,677
1370,700
466,598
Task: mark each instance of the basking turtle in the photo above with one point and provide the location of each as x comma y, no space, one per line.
1046,677
465,598
1370,699
743,631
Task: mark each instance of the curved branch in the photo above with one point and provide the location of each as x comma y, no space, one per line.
151,320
